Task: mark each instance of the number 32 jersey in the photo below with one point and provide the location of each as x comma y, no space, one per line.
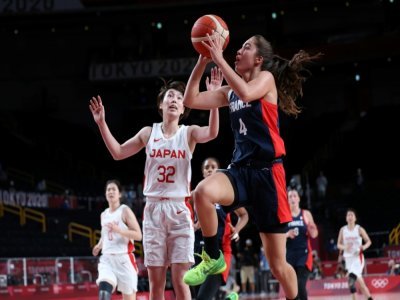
167,171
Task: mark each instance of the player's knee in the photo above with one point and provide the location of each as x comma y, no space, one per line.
202,194
277,270
105,291
352,278
352,282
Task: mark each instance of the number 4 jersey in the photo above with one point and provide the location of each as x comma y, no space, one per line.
167,171
255,126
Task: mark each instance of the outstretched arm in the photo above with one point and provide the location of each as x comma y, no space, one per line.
193,98
210,132
118,151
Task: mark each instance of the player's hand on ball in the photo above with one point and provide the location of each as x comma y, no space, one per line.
215,47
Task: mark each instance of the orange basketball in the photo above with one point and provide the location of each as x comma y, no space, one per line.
208,24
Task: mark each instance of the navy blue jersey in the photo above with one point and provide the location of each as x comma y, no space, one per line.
255,126
298,250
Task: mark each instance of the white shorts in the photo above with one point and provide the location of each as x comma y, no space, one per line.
119,270
355,264
168,235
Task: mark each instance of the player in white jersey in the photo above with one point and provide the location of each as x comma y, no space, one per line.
119,230
350,241
167,226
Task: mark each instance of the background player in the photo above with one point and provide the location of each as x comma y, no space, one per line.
119,230
350,241
298,244
226,233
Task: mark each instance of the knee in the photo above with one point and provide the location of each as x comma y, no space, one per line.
278,270
352,282
202,194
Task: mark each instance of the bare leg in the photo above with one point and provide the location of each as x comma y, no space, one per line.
363,287
213,189
182,290
129,297
275,251
157,278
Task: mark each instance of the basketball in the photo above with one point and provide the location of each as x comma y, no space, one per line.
207,24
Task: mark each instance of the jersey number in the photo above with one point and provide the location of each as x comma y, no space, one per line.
242,129
165,174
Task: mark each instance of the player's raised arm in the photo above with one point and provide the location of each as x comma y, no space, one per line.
118,151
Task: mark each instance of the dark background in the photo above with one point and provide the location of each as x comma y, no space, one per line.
50,48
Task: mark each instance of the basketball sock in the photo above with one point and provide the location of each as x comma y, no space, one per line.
211,246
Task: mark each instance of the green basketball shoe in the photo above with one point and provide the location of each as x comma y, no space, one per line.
208,266
232,296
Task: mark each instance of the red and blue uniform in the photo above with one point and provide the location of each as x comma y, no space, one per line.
256,170
298,250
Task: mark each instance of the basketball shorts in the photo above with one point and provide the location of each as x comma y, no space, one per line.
264,189
355,264
119,270
168,235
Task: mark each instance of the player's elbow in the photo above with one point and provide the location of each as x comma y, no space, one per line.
188,101
245,96
116,156
213,133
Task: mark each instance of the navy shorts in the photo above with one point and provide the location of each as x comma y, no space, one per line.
264,189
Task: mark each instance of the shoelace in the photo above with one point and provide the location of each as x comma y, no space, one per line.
203,265
204,256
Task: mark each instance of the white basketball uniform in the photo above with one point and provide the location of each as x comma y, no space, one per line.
352,253
117,264
168,235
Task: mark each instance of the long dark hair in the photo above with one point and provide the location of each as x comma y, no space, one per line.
289,74
176,85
